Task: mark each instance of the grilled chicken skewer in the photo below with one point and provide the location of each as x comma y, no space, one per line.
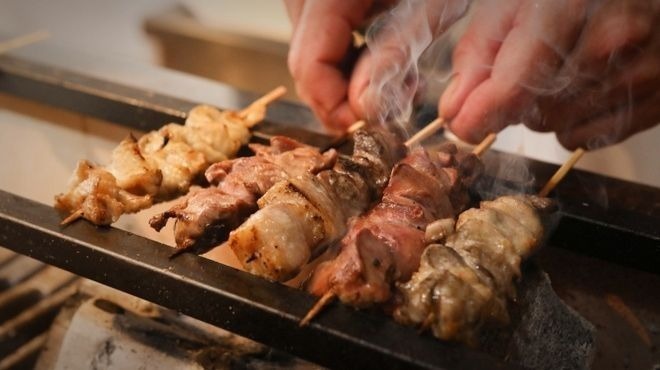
160,165
298,217
384,246
206,216
465,282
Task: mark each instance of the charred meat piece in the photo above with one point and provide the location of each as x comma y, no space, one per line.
161,164
384,245
205,216
465,283
298,218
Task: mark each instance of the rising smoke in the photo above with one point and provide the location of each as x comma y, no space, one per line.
396,41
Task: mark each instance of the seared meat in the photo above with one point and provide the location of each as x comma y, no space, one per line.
299,217
466,282
384,245
95,194
160,165
216,210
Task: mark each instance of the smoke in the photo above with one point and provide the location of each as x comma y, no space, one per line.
396,41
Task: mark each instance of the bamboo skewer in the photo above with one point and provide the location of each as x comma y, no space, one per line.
330,295
23,40
356,126
266,99
484,144
561,172
72,217
341,139
427,131
262,102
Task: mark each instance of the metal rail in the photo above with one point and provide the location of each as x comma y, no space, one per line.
135,107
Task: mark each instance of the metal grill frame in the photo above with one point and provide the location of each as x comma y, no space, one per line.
626,233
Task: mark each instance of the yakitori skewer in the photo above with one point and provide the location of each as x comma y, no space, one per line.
162,164
467,272
328,296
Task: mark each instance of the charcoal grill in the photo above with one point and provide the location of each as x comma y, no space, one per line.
626,235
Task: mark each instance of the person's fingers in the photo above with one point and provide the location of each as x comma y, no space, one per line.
638,78
321,39
614,61
615,30
524,67
385,76
293,10
615,127
474,54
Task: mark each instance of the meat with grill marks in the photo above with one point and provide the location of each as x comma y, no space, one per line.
205,217
299,217
160,165
465,282
384,245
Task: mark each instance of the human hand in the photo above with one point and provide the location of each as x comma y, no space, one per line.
323,35
589,70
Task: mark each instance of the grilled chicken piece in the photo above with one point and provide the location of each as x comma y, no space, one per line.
465,283
132,171
178,163
301,216
161,164
95,195
384,245
205,217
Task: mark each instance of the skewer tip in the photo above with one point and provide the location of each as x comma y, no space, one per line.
270,96
318,306
561,172
484,145
356,126
258,106
427,131
72,217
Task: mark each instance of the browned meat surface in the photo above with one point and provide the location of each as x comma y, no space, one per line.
384,245
161,164
301,216
465,283
95,194
212,212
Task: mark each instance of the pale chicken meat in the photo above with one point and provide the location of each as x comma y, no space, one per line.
206,215
95,194
301,216
161,164
465,282
132,171
384,245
